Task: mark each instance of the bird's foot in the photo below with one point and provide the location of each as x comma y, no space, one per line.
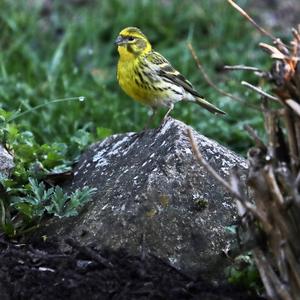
138,134
163,122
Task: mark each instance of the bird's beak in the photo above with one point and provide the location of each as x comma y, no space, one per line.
120,40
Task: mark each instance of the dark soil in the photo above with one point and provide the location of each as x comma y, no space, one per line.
42,271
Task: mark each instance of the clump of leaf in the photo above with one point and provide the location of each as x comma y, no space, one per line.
244,273
25,199
40,200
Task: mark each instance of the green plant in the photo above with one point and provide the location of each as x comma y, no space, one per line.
24,200
244,273
40,200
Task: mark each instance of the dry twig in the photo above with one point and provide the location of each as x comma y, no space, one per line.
242,68
259,90
210,82
244,14
208,167
258,141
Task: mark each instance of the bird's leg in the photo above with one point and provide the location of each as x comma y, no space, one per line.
150,119
171,106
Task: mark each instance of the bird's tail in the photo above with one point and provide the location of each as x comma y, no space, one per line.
210,107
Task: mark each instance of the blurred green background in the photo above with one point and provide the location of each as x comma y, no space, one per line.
56,49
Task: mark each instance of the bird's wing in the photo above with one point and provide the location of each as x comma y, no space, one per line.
164,69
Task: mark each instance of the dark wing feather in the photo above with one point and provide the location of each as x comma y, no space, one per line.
167,71
163,69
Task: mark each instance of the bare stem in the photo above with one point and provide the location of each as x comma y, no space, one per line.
242,68
210,82
244,14
209,168
259,90
259,143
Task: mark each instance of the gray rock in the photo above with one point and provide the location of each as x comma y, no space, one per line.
6,163
151,191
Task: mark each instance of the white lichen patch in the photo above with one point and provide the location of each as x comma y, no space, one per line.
188,151
145,163
226,205
173,260
99,155
102,157
196,196
104,206
115,148
102,162
82,164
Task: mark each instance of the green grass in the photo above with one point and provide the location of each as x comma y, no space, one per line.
70,52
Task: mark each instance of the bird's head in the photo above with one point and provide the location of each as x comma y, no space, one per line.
132,42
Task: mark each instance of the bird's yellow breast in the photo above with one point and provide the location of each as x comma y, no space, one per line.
130,83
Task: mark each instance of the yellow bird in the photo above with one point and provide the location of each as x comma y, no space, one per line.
147,77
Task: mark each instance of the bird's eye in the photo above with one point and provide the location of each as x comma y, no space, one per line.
131,39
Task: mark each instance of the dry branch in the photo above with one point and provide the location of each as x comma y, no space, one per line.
212,84
208,167
259,90
244,14
242,68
